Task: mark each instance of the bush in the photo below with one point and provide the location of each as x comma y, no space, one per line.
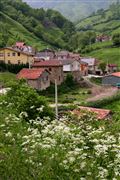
116,39
69,80
26,101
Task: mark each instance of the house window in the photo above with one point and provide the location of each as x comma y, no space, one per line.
9,62
8,54
18,53
1,54
18,61
14,54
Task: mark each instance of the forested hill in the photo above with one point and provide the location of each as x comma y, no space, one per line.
37,27
72,9
103,21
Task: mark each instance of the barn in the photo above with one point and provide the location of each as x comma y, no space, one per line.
112,79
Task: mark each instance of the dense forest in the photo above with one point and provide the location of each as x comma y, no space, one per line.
47,27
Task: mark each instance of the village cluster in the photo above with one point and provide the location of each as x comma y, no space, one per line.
48,65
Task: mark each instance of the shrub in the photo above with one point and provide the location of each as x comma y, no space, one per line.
69,80
26,99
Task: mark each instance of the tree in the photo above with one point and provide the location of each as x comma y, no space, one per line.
69,80
116,39
102,66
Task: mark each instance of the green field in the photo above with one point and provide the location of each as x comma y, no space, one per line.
108,55
101,24
6,78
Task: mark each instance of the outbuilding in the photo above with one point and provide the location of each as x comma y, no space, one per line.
112,79
37,78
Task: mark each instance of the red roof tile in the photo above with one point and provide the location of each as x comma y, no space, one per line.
116,74
100,113
30,73
20,44
47,63
112,65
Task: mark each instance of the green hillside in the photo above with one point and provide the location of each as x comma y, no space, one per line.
108,55
103,21
39,28
18,32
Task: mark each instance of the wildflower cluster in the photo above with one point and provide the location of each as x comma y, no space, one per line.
65,149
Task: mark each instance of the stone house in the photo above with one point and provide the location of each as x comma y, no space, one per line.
62,55
37,78
46,54
55,68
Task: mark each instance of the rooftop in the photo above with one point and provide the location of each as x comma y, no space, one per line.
89,61
30,73
20,44
117,74
17,50
112,65
100,113
47,63
68,61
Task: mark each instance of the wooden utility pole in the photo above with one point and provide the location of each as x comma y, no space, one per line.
56,99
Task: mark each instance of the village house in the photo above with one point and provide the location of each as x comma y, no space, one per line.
83,68
102,38
100,114
55,68
9,55
75,56
23,47
62,55
93,65
112,68
45,54
71,66
38,79
112,79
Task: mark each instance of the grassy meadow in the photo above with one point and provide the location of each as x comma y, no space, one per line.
6,78
108,55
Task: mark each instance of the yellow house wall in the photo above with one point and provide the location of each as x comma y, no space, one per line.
23,58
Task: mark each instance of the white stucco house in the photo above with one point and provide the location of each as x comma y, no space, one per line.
71,66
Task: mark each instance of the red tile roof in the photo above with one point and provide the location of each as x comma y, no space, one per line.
116,74
112,65
47,63
30,73
20,44
100,113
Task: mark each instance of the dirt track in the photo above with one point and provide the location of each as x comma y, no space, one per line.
99,93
